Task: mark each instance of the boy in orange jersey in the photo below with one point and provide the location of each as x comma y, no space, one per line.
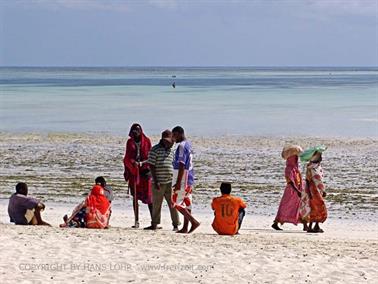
228,210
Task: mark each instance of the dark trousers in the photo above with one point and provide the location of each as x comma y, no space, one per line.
241,216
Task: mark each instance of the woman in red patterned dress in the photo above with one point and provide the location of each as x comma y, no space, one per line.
316,191
288,210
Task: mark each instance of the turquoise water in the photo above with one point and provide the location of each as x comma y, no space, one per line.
206,101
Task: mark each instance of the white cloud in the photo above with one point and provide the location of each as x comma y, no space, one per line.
361,7
109,5
164,3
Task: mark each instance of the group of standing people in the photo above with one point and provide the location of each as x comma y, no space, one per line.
303,199
157,173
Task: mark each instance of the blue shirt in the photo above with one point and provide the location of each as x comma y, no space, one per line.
184,155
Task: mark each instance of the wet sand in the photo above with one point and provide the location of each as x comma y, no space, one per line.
61,167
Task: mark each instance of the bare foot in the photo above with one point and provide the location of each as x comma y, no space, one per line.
136,225
275,226
182,231
317,230
194,226
152,227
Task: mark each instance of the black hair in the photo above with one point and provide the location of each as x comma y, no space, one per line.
20,187
178,129
100,180
225,188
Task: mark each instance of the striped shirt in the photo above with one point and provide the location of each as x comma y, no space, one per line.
162,159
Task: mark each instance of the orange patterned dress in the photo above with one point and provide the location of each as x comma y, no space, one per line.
315,189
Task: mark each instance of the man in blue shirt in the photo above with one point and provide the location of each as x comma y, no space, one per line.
183,179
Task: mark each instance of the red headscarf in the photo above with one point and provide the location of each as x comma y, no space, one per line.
97,199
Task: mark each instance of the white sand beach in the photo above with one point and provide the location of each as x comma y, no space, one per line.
242,79
346,253
60,169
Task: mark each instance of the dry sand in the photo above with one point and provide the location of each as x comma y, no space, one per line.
346,253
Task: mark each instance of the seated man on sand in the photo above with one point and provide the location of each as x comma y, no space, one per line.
228,210
94,211
23,209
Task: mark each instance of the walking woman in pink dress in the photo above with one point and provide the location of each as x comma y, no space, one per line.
289,208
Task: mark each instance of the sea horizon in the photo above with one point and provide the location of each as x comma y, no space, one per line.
257,101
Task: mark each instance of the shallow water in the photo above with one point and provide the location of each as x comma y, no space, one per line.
206,101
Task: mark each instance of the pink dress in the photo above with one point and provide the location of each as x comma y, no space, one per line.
288,211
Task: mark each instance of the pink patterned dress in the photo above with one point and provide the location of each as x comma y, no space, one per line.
288,211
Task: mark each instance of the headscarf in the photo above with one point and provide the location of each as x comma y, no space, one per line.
308,153
97,199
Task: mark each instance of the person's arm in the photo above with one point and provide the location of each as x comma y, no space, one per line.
33,203
152,157
41,206
181,169
293,182
180,175
213,205
76,210
295,188
242,204
154,178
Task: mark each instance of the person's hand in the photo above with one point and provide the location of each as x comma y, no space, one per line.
136,163
41,206
176,187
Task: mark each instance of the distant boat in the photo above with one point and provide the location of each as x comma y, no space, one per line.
173,76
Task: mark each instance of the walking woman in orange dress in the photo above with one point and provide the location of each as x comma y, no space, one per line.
315,188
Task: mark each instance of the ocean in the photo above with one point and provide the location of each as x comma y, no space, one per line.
327,102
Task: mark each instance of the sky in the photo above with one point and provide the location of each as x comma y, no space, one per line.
189,33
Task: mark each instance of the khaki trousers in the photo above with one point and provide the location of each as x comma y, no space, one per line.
157,201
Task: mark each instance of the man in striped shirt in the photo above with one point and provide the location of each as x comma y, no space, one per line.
160,160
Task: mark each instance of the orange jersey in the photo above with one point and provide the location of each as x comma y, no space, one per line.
226,210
